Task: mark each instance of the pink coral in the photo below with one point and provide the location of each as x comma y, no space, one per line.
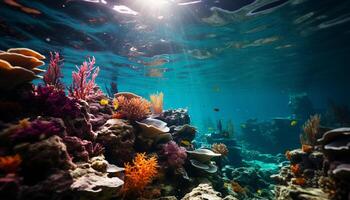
176,155
53,73
84,80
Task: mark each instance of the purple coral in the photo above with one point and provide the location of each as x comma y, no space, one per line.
53,74
38,129
82,150
54,102
84,80
176,155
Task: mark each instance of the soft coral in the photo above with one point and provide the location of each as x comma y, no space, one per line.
140,173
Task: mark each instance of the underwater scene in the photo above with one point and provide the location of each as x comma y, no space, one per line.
175,100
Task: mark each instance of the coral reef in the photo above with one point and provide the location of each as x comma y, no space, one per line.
310,128
220,148
176,117
10,164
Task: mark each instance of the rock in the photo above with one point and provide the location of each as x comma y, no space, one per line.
91,184
56,186
184,133
154,131
294,192
99,114
167,198
9,187
41,158
118,137
205,191
176,117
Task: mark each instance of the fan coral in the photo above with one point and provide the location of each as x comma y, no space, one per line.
53,73
140,173
37,130
10,164
220,148
84,80
176,155
51,101
310,128
157,103
134,109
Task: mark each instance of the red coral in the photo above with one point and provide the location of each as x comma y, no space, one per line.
134,109
10,164
53,74
140,173
84,80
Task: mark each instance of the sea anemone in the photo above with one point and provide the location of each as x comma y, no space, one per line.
220,148
10,164
175,155
140,173
134,109
157,103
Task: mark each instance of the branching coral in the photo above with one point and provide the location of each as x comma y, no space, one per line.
220,148
84,80
134,109
310,128
140,173
157,103
10,164
176,155
53,74
36,130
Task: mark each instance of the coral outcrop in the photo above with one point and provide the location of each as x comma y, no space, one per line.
205,191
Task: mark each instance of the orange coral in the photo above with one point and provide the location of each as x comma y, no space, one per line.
134,109
295,168
299,181
10,164
236,187
288,155
140,173
220,148
157,103
307,148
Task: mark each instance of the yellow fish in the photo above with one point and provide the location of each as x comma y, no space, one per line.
259,192
186,142
104,102
115,104
293,122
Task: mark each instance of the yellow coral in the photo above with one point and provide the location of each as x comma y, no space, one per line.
220,148
10,164
157,103
140,173
134,109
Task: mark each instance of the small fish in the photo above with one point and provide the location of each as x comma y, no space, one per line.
243,126
186,142
259,192
293,123
210,128
115,104
104,102
216,109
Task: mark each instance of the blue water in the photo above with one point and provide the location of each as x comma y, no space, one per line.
243,57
